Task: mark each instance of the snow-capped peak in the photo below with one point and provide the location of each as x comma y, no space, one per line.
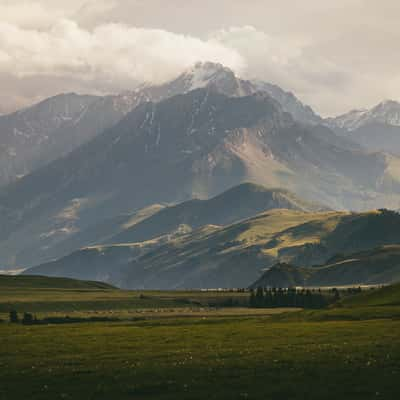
203,74
387,112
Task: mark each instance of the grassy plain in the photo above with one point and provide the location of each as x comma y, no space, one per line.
349,352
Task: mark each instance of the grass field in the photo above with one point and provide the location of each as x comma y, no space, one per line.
348,352
59,296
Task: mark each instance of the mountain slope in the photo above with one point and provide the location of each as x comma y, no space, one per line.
25,135
237,255
377,129
240,202
289,102
35,136
386,296
32,137
237,203
193,145
283,275
387,112
102,231
202,258
373,267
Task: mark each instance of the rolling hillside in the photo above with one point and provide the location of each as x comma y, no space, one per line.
236,255
385,296
44,282
372,267
237,203
240,202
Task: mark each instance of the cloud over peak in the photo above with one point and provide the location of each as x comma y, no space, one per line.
334,57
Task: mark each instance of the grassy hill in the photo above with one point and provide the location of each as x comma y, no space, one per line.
44,282
236,255
240,202
47,296
380,265
100,232
210,256
283,275
385,296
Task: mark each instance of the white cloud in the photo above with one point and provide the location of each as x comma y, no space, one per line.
334,56
111,56
332,76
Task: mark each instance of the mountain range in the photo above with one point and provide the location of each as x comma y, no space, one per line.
236,255
33,137
137,189
196,144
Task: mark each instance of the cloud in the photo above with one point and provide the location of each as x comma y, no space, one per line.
111,52
333,75
111,57
286,61
334,56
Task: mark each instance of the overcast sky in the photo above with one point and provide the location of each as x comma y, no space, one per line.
334,55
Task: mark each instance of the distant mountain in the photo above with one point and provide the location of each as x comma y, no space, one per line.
377,129
193,145
237,255
24,135
35,136
387,112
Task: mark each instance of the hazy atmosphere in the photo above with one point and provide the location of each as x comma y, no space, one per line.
334,56
199,199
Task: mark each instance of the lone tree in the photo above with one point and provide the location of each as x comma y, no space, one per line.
13,317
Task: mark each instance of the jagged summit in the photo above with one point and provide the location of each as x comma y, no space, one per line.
210,74
376,129
39,134
205,73
387,112
226,81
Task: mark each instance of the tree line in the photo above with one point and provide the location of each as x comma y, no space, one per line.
292,297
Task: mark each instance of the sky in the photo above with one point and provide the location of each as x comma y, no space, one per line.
335,56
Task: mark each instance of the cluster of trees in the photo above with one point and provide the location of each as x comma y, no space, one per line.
27,318
291,297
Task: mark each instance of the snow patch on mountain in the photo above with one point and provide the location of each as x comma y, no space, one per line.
386,112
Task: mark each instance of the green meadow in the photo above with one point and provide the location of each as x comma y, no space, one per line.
182,348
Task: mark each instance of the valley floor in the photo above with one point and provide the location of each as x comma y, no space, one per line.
215,358
174,345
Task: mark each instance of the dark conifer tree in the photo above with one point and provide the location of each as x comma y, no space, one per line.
253,302
13,316
260,297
